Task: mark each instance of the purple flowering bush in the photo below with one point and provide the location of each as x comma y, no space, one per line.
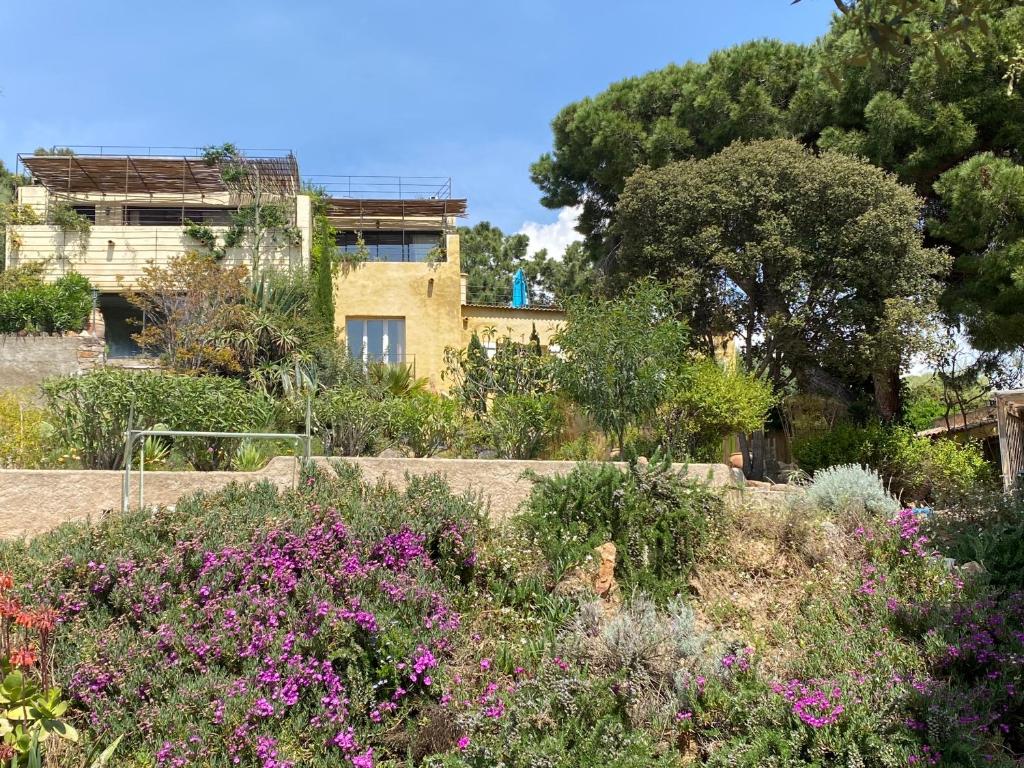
249,628
902,662
350,624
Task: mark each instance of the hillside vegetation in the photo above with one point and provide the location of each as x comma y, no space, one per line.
349,624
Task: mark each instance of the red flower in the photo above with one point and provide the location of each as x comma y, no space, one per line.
6,580
23,657
45,619
25,619
9,607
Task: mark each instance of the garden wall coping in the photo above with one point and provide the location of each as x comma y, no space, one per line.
34,501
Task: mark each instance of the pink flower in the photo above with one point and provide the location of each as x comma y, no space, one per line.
463,743
485,664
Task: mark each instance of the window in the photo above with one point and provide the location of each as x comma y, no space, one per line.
86,211
149,216
376,339
391,245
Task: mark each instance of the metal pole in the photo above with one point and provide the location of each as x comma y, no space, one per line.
309,419
142,472
127,459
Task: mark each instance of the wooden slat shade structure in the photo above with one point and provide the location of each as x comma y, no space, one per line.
345,208
1010,417
144,175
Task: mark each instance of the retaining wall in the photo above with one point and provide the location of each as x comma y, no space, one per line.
26,360
33,501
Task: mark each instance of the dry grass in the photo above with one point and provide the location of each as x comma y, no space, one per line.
773,554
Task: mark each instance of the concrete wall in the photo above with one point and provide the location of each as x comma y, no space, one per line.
33,501
25,361
113,256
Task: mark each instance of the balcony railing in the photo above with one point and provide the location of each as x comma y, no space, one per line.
500,295
383,187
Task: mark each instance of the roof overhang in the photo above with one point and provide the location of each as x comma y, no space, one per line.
141,175
346,208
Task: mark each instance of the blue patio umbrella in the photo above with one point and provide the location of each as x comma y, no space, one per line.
520,296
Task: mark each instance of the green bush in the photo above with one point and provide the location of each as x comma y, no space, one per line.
423,422
350,420
91,413
523,426
707,404
851,488
844,443
659,521
29,304
918,468
560,718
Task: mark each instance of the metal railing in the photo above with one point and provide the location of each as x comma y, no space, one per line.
501,296
383,187
131,437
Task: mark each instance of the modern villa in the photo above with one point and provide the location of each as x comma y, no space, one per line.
404,302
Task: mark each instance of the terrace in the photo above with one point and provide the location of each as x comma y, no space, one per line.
136,206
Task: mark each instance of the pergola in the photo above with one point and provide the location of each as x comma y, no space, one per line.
142,176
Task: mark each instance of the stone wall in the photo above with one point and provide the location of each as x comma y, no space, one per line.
26,360
33,501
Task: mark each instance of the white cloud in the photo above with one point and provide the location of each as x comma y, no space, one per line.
556,236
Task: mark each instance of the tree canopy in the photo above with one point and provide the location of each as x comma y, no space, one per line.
490,258
939,97
816,262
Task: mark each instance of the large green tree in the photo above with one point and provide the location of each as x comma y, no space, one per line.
675,113
816,262
939,97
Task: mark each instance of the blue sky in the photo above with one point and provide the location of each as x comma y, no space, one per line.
458,88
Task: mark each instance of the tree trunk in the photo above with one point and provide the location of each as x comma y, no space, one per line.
887,393
753,452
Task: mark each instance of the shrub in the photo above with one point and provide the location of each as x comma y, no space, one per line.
351,421
560,717
844,443
29,304
91,413
32,710
424,422
659,521
709,403
851,489
590,446
309,627
523,426
24,434
918,468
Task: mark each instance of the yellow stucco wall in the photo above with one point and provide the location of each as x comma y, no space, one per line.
516,324
427,296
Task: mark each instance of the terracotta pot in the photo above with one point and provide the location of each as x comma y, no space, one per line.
736,460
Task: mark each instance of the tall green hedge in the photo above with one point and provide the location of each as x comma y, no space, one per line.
29,304
91,413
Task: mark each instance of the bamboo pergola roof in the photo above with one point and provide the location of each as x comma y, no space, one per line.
345,208
146,175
